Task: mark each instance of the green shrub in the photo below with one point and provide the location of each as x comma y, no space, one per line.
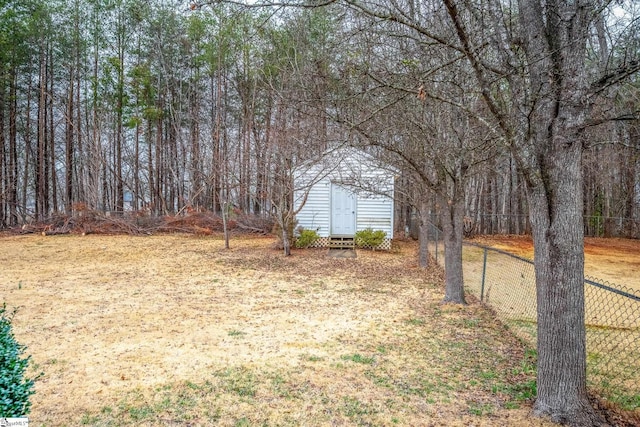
306,238
15,389
369,238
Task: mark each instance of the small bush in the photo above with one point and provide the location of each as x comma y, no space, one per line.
369,238
306,238
15,389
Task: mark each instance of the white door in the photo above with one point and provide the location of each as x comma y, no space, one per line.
343,211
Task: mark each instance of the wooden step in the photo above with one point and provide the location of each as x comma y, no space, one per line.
342,243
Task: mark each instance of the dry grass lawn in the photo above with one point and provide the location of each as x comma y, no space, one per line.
175,330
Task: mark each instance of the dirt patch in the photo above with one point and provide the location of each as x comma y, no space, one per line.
612,260
175,330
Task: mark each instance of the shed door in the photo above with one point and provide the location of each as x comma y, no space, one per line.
343,211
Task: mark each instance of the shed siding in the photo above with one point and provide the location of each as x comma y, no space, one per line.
372,210
375,213
316,213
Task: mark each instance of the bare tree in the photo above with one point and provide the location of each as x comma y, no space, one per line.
543,108
407,109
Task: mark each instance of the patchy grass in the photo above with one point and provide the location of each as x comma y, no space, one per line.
175,330
357,358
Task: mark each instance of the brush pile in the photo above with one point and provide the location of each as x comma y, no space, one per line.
203,223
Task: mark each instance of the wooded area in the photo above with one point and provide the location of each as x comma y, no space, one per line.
153,108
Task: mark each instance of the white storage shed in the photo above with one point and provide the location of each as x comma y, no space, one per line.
346,191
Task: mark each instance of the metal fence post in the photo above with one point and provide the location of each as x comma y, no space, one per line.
484,271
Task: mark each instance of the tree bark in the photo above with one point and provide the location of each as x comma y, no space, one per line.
120,46
13,149
556,218
555,49
286,239
453,228
4,179
40,175
27,148
423,237
69,138
225,225
51,182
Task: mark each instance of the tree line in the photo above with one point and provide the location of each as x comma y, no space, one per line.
154,107
144,106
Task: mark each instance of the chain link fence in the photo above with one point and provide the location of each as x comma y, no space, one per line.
506,283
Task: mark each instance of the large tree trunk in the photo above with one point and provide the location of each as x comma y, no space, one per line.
555,49
556,218
452,227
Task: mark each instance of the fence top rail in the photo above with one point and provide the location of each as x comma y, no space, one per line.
610,289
